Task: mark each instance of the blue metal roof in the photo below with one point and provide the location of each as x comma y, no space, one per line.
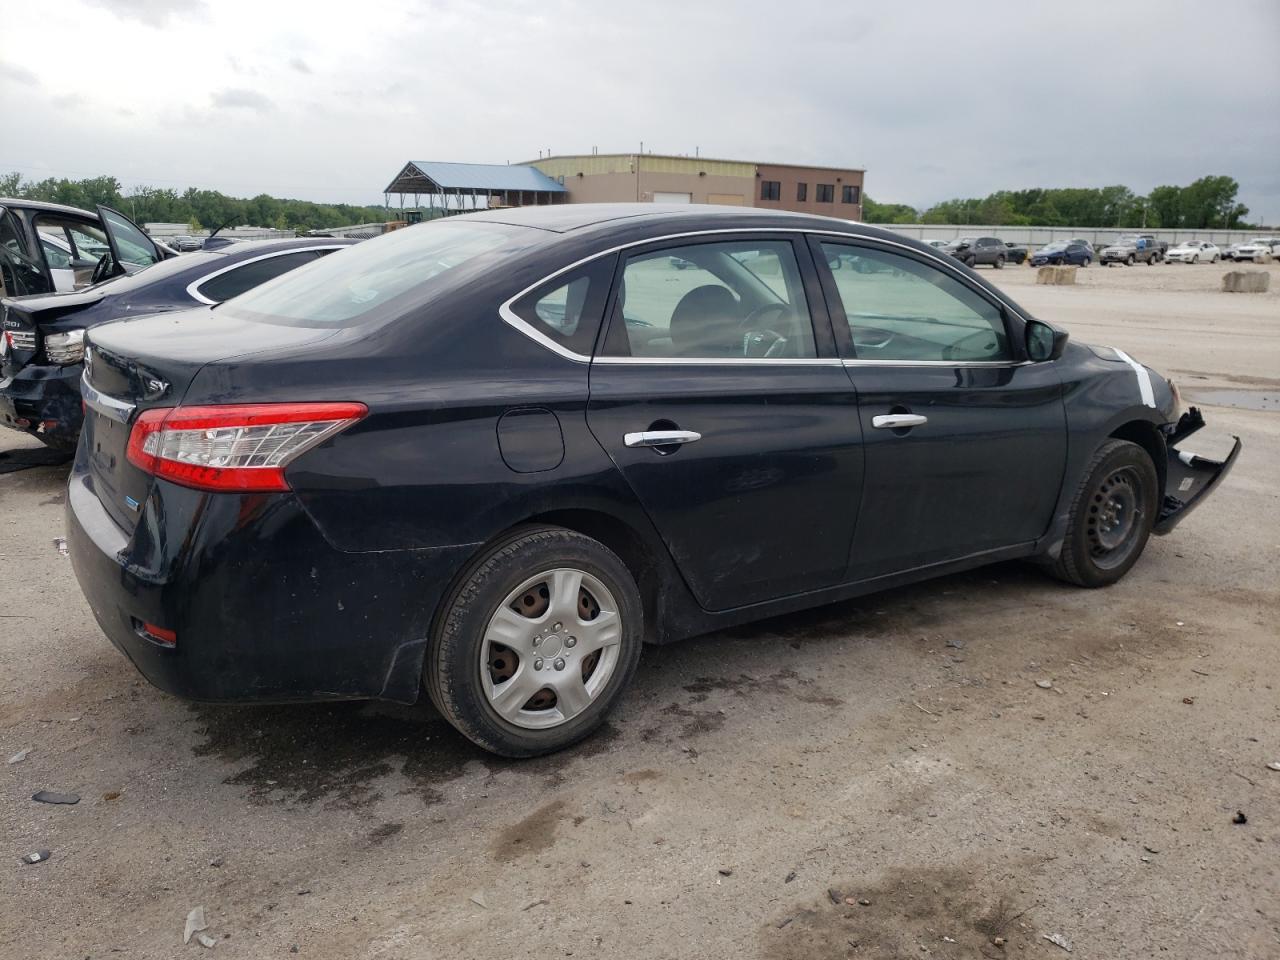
474,176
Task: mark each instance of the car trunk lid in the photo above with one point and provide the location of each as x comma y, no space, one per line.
150,362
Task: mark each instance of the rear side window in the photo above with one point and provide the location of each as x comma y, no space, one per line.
901,309
568,308
238,280
736,300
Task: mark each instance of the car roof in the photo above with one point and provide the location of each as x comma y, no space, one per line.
568,217
46,207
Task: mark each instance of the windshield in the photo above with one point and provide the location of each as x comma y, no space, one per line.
348,286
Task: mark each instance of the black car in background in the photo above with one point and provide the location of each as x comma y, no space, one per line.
494,454
1016,252
49,247
1063,252
973,251
42,337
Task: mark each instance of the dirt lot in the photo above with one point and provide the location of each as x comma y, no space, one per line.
894,751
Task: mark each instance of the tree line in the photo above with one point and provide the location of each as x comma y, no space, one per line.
199,209
1208,203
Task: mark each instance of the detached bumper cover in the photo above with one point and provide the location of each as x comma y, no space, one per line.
1190,477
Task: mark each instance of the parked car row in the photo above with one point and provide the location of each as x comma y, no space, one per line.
1127,250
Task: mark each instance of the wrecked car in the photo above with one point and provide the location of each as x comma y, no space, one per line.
48,247
491,456
42,337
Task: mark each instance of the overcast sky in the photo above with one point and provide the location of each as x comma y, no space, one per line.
326,101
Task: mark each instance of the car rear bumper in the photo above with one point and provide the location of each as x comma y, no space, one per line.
264,609
45,400
1190,477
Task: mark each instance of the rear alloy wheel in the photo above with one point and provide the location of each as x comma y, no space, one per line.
536,643
1111,518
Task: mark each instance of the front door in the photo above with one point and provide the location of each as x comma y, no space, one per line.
733,424
965,440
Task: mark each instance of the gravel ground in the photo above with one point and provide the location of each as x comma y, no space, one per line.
880,778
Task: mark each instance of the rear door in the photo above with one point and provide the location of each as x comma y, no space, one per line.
731,420
965,441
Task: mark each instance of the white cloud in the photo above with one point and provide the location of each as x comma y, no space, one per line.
932,100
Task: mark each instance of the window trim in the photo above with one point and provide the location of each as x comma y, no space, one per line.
844,194
802,192
823,274
193,287
818,195
1011,318
775,186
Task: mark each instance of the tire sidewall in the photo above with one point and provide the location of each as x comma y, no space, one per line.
1120,454
452,667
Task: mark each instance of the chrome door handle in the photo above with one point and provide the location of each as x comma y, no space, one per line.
660,438
896,421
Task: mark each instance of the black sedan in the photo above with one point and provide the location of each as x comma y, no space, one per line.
42,337
493,455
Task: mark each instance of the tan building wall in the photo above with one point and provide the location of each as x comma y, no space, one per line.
615,178
790,177
629,177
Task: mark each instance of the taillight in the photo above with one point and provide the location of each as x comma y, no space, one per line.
234,447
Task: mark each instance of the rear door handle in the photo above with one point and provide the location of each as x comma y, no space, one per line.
660,438
897,421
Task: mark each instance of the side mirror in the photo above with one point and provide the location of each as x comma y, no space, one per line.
1045,342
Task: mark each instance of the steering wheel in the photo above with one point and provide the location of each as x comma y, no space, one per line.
102,271
758,339
982,343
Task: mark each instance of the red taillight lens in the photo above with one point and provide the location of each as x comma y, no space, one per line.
236,447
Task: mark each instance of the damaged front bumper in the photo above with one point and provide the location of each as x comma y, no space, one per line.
1189,477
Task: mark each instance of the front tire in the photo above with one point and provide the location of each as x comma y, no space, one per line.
1128,261
536,642
999,263
1111,517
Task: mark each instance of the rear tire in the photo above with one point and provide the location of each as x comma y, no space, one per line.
1111,516
552,646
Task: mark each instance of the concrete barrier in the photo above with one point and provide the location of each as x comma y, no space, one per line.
1056,275
1246,281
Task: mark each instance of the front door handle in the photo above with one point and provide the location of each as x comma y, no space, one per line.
660,438
898,421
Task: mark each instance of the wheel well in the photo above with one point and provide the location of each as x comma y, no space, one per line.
626,543
1146,435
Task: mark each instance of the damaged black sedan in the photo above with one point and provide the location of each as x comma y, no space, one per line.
42,337
491,457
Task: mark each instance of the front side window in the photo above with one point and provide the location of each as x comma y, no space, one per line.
770,190
901,309
132,244
733,300
851,194
826,192
243,278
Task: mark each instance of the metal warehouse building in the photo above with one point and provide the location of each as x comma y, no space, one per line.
633,177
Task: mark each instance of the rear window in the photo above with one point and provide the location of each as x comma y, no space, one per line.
364,281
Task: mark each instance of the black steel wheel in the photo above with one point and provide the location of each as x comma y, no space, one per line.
1111,517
